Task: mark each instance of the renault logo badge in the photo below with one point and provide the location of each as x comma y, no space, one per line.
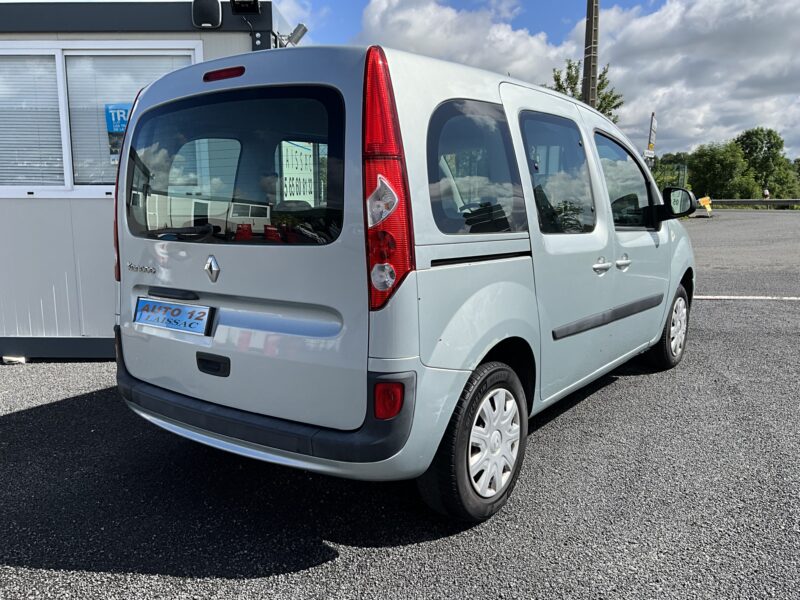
212,268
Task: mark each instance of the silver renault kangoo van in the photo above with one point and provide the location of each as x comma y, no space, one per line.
370,264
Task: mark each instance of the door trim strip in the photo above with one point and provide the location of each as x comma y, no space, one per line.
607,316
458,260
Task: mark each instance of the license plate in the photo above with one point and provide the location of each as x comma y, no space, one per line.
188,318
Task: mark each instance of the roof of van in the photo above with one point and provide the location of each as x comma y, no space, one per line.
426,64
429,60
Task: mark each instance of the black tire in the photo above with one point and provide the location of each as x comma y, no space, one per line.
661,356
446,486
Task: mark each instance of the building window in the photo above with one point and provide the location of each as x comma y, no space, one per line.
100,89
30,127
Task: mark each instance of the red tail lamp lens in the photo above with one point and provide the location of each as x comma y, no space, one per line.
390,247
382,246
226,73
388,399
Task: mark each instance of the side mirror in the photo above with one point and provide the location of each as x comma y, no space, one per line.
678,203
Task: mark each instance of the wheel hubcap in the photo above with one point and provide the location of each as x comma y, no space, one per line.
678,326
494,443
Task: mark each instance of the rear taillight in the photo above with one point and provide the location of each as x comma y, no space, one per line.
388,399
390,248
116,192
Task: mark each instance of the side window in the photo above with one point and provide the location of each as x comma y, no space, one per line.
557,163
472,173
627,186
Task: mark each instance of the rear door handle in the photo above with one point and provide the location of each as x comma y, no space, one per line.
213,364
601,266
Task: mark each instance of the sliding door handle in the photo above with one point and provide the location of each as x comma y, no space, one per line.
601,266
623,263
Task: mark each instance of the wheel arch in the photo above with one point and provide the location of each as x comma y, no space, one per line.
687,281
517,353
682,267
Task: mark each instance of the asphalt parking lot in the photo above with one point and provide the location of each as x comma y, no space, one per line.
680,484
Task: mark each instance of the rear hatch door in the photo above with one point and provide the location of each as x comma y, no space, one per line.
242,237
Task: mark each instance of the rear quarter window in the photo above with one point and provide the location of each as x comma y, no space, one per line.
472,173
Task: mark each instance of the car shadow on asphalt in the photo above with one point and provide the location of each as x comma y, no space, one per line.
636,367
569,402
87,485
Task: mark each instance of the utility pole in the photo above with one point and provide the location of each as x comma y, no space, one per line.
650,153
589,92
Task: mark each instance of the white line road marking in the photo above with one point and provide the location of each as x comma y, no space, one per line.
787,298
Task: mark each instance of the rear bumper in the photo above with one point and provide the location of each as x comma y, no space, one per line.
270,438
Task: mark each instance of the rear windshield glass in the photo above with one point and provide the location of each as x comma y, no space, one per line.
262,166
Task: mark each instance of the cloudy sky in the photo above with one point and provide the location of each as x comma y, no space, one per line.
709,68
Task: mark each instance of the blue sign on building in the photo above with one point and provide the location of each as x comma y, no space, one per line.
116,121
117,117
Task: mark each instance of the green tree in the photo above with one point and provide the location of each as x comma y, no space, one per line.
675,158
797,166
569,81
785,182
669,170
763,151
721,171
608,99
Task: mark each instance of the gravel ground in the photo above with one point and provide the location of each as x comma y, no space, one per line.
681,484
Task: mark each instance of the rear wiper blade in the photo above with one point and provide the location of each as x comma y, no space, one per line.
197,231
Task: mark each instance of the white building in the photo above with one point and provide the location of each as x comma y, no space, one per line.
68,73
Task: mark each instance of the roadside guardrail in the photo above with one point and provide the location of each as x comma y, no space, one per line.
759,202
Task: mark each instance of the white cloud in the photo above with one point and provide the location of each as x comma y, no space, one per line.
300,11
505,9
482,38
709,68
294,11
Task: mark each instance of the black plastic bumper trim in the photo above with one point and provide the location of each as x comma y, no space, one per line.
375,440
607,316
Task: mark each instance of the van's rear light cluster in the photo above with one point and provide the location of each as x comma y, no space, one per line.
390,248
117,269
388,399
